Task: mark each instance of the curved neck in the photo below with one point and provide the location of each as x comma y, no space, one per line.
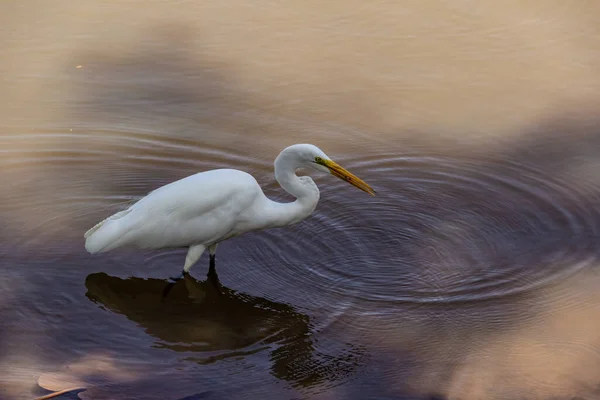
303,189
285,173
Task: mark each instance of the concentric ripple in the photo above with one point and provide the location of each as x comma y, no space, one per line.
440,230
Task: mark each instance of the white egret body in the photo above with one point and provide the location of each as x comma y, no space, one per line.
203,209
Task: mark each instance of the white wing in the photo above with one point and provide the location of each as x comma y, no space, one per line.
198,209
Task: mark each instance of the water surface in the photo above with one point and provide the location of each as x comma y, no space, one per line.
472,274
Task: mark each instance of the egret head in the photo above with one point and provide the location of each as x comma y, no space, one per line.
313,157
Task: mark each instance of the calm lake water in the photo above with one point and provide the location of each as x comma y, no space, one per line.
473,274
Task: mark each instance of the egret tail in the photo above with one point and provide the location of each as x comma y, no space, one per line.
107,234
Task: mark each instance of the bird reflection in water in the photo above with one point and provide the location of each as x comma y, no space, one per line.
209,318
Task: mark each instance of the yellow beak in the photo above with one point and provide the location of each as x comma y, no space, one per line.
344,174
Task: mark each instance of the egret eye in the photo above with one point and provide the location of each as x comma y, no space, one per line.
318,160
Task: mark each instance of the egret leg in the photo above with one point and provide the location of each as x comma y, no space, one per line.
193,255
212,249
211,265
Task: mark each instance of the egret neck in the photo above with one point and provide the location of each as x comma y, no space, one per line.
304,189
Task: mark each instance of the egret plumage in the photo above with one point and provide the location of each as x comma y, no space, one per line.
202,210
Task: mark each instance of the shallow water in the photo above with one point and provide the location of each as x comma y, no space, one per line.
472,274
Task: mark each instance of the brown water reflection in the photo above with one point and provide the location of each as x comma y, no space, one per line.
472,275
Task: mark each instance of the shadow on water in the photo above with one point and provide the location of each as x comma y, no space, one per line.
210,322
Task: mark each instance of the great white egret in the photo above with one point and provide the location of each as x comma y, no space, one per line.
203,209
